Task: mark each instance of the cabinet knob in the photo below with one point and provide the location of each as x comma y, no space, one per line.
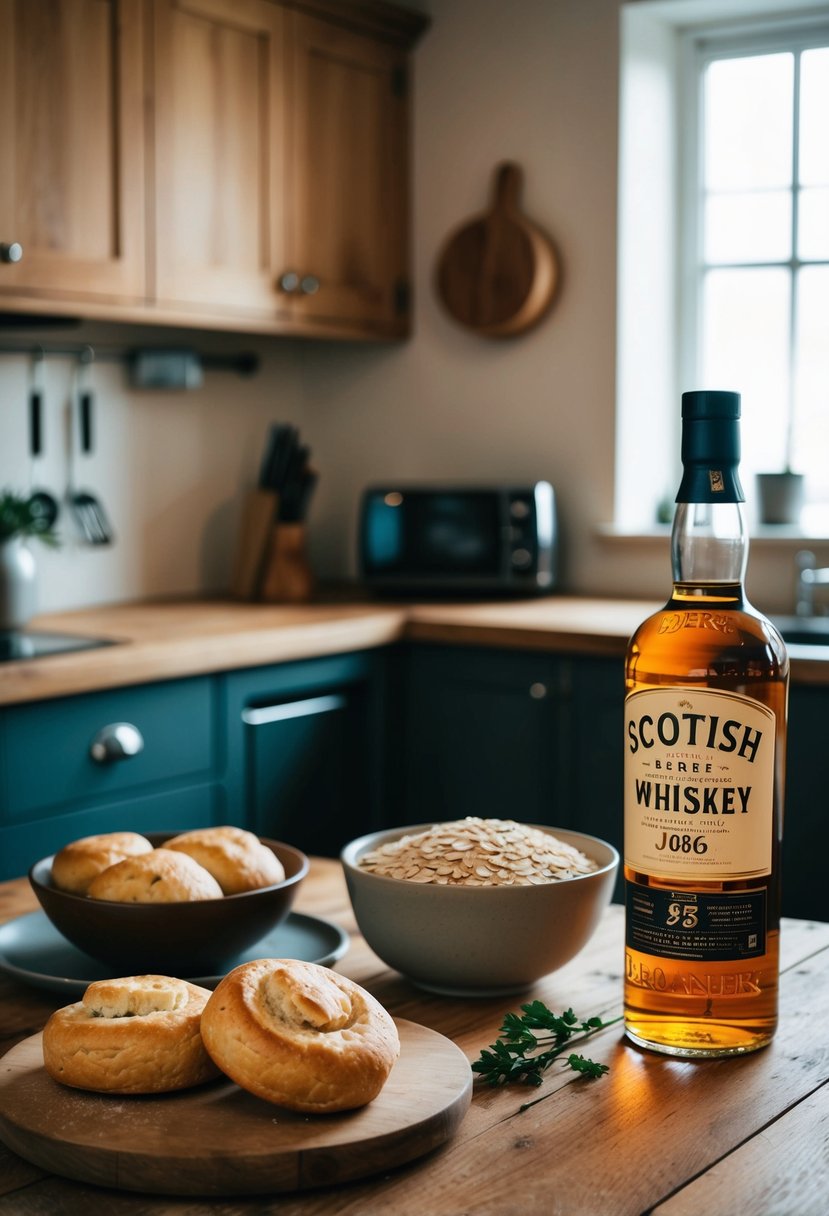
116,741
538,691
11,253
309,285
289,282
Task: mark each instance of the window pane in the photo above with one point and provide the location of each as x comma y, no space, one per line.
745,343
748,122
748,227
812,380
814,110
813,224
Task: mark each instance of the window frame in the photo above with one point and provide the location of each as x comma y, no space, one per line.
651,365
699,47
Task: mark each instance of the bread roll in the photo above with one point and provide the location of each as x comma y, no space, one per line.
75,866
300,1036
158,877
237,859
137,1035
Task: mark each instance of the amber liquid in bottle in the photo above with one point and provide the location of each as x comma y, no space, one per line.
707,637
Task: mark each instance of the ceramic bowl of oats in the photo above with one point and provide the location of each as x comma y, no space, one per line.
478,907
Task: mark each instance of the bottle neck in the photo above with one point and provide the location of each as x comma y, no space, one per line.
709,548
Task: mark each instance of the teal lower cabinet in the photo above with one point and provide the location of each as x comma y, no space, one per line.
805,819
318,751
306,749
519,735
540,738
171,810
141,758
482,736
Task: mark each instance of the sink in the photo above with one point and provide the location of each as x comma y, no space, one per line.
803,630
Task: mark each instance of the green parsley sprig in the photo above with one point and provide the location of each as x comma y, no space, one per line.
515,1055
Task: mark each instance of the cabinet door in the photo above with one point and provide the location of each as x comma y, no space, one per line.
483,737
347,151
218,154
804,891
595,744
50,751
178,810
305,757
307,769
72,149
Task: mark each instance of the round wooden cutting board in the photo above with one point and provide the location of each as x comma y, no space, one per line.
498,273
220,1140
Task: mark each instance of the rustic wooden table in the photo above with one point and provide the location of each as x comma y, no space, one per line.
661,1136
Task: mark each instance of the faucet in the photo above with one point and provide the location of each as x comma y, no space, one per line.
809,576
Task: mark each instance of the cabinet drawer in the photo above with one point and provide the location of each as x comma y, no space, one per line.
197,806
47,755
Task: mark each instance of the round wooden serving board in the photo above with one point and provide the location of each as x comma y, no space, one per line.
498,273
218,1139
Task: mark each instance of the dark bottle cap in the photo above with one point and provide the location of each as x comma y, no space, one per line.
710,447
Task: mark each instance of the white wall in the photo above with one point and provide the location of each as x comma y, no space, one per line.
168,467
534,81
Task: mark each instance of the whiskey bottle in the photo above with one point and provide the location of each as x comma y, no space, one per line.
706,683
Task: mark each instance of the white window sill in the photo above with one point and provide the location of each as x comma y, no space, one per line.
795,536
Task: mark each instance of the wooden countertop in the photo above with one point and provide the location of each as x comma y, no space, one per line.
160,640
656,1135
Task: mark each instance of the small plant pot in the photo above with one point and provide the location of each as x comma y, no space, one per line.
780,497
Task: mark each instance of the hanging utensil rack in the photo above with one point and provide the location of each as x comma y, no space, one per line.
244,363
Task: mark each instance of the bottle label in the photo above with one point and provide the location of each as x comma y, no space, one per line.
695,925
699,784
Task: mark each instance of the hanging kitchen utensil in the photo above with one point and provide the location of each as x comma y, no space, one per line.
43,504
497,274
88,512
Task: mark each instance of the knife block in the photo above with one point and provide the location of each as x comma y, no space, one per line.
287,577
258,514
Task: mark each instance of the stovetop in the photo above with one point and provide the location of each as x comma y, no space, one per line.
23,644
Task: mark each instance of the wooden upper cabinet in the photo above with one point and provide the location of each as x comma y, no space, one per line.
72,149
236,164
347,181
219,177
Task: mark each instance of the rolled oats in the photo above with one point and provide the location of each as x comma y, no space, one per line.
478,852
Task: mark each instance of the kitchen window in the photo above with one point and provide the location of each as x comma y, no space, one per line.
756,238
724,239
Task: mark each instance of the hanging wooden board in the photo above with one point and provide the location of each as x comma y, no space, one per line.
218,1139
498,273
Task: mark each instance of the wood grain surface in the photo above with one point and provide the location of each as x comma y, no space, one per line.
163,640
218,1139
654,1136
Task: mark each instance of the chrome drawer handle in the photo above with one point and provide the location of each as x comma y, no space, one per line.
293,709
117,741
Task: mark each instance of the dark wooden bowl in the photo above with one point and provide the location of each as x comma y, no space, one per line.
191,938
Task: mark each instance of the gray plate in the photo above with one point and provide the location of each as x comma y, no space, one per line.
32,950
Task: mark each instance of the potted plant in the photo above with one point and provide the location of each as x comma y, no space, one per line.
22,517
781,494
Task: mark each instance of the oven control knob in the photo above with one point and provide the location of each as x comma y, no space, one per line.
519,509
522,558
